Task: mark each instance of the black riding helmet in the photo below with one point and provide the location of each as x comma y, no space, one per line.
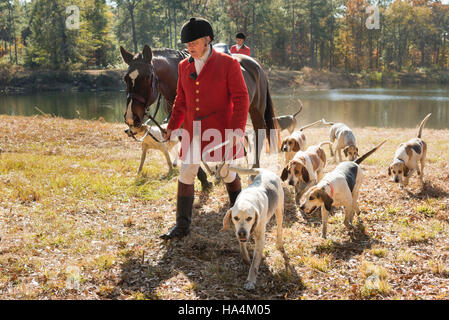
240,36
196,28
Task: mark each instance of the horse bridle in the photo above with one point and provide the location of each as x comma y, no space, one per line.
134,96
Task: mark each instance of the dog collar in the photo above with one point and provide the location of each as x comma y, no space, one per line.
332,189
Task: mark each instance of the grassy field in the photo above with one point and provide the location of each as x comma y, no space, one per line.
78,223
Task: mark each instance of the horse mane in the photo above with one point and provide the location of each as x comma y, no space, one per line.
170,53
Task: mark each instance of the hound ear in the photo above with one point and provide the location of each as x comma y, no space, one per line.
406,171
389,170
127,56
256,221
147,54
284,174
345,150
327,201
227,220
296,147
305,175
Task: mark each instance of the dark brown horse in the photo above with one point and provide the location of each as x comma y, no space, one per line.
153,72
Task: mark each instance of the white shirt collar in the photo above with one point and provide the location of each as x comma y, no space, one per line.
200,62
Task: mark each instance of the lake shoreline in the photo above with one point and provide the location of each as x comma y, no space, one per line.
26,81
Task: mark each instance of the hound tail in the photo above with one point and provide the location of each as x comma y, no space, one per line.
311,125
300,109
327,123
366,155
330,146
244,171
423,122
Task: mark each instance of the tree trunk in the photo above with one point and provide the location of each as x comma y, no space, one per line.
312,40
133,24
176,28
9,33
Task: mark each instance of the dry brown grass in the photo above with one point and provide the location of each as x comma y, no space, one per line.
77,223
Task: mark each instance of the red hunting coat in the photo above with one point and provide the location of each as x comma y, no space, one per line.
244,50
218,98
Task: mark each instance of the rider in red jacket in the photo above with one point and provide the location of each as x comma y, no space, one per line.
240,47
211,97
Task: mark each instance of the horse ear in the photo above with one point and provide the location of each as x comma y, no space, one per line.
147,54
127,56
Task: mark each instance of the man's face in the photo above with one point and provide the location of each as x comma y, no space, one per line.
198,47
239,41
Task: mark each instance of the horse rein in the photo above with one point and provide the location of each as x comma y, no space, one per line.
139,98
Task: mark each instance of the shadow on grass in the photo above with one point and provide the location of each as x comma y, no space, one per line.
206,265
358,241
429,191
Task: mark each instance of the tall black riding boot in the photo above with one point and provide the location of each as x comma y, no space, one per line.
234,189
183,212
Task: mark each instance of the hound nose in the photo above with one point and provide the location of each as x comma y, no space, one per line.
242,234
396,179
302,207
291,183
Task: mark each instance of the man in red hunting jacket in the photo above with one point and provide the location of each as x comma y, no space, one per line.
240,47
212,101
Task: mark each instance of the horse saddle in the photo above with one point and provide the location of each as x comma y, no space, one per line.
222,47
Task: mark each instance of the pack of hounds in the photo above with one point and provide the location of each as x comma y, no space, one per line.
304,169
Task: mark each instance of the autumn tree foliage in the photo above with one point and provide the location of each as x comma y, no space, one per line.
323,34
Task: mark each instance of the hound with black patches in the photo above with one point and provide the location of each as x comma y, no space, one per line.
253,209
305,169
343,138
295,142
167,148
339,187
288,122
407,157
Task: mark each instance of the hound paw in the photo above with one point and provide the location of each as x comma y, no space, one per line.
250,286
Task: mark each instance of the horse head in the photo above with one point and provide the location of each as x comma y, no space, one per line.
141,85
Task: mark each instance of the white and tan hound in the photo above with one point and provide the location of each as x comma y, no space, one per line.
168,148
295,142
305,169
253,209
340,187
407,157
344,139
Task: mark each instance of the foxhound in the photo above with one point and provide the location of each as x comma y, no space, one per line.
295,142
305,169
339,187
253,209
149,142
407,157
343,138
288,122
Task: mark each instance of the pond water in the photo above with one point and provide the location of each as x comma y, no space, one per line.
376,107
